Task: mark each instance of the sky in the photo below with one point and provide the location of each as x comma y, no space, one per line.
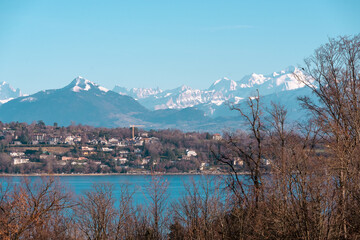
133,43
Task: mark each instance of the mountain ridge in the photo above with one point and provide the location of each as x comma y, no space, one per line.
85,102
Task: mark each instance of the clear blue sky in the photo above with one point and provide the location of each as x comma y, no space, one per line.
45,44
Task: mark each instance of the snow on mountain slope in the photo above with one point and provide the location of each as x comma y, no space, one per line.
220,92
82,101
137,93
82,84
278,81
8,93
223,84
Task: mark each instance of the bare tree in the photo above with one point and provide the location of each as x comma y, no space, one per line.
127,214
199,213
34,209
157,197
96,213
334,71
248,148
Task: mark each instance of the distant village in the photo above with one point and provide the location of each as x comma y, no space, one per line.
37,148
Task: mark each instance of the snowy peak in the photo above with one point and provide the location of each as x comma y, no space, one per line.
223,84
252,80
81,84
182,88
137,93
277,81
220,92
144,92
7,92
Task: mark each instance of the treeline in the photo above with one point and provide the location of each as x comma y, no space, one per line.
302,180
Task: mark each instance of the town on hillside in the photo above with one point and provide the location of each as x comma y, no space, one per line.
78,149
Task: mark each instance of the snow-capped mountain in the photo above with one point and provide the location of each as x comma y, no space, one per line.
80,84
221,91
137,93
82,101
8,93
224,85
185,108
85,102
278,81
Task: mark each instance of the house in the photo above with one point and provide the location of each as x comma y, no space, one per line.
123,153
93,142
190,153
69,140
106,149
121,160
20,160
17,154
122,143
139,142
217,137
17,143
86,148
113,142
238,162
203,165
53,140
40,137
78,163
145,161
144,134
64,158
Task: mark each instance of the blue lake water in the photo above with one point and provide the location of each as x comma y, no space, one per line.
139,183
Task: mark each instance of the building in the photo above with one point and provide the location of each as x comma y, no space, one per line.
190,153
217,137
20,160
17,154
203,165
121,160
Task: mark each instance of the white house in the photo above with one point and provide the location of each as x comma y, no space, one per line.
20,160
190,153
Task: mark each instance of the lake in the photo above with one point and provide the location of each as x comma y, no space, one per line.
139,183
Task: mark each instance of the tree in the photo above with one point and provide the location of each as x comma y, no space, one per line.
248,147
34,209
96,213
157,196
334,77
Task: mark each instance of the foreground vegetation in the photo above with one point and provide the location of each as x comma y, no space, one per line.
302,183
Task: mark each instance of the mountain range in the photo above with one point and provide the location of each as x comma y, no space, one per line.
85,102
220,92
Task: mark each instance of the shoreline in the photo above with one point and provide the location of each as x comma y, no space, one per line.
104,174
